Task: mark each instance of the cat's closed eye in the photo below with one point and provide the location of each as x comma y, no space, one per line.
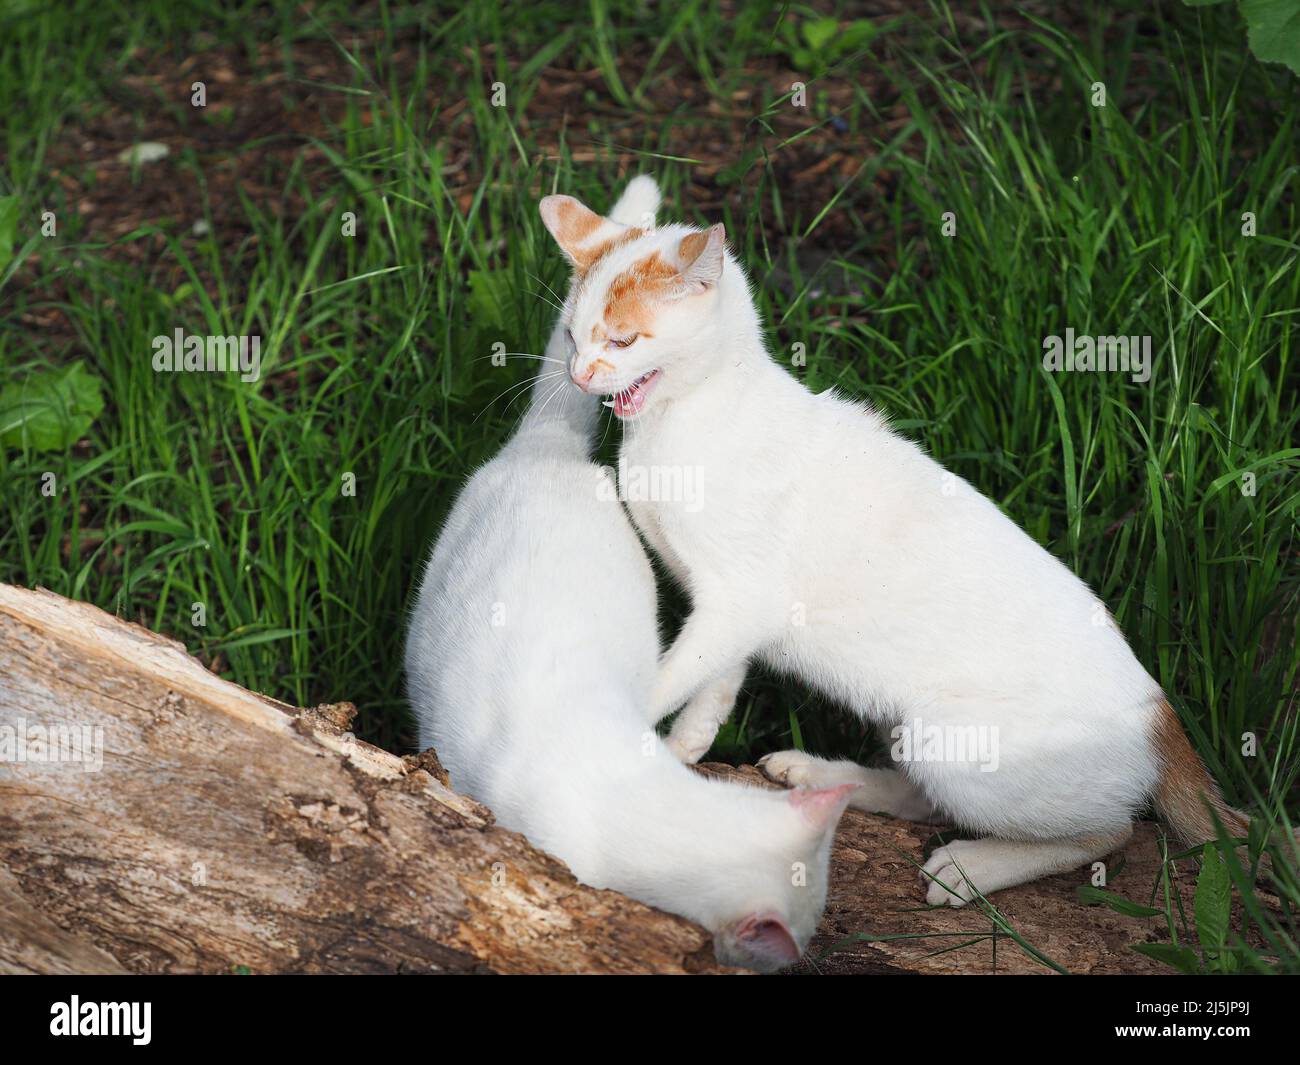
623,341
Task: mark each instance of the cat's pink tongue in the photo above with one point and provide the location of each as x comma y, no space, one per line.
629,402
632,399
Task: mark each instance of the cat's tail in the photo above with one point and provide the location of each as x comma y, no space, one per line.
638,204
1186,794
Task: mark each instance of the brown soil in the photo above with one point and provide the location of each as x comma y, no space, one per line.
260,121
876,893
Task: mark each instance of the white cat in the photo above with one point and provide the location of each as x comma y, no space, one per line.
530,661
837,551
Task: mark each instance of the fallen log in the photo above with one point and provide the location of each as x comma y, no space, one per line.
178,823
217,830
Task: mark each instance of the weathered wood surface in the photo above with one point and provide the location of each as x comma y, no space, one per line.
222,832
226,831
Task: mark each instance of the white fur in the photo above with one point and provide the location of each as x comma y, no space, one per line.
530,661
837,551
638,204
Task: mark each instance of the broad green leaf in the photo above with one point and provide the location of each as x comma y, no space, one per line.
855,36
1213,901
820,32
1273,31
50,409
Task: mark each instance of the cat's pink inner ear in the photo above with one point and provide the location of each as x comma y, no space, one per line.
767,937
570,223
821,807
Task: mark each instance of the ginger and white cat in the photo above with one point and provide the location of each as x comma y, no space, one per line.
833,549
530,662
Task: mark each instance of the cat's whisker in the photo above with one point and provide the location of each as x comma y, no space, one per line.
550,303
560,384
544,374
521,355
550,396
545,286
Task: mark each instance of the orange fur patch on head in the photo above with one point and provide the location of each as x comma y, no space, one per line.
586,257
631,297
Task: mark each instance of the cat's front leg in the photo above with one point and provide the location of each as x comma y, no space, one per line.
697,725
711,652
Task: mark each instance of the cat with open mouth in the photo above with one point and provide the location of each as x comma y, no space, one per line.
834,549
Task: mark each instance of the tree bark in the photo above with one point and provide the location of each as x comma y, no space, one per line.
224,832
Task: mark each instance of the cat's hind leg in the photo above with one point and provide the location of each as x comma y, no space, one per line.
955,871
884,791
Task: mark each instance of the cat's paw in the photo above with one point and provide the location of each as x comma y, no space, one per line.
944,875
689,745
697,725
792,768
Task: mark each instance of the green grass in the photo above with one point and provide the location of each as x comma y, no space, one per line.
1117,220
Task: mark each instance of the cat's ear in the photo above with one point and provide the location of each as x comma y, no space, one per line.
820,808
571,223
766,938
699,257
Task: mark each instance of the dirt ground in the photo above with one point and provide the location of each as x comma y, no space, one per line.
877,917
261,122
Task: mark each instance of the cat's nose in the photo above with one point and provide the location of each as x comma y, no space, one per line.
582,380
